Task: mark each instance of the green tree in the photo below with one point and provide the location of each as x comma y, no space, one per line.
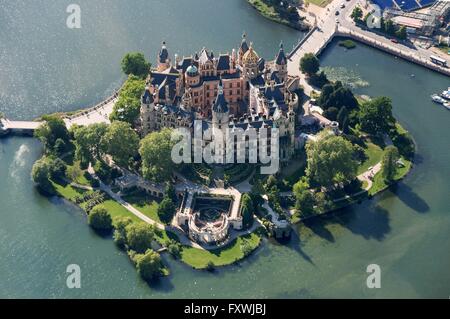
87,140
149,265
401,33
135,63
166,210
170,192
389,163
330,160
121,142
389,27
50,131
140,236
127,108
338,96
247,210
304,198
40,174
120,233
100,219
357,14
57,169
309,64
375,116
155,150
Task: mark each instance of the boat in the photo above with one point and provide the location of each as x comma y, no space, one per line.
446,105
436,98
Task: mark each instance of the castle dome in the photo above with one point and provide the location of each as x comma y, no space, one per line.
250,57
192,70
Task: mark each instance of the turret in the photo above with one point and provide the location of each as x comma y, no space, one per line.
163,58
220,110
281,64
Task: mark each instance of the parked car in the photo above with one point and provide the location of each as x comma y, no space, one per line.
343,6
336,13
394,40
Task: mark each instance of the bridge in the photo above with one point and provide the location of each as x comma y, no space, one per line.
18,127
97,114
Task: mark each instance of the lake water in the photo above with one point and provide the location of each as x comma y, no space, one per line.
45,67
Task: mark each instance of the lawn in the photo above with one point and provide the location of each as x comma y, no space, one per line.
68,192
146,204
227,255
117,210
378,182
374,153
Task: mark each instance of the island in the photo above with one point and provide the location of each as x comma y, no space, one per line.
116,160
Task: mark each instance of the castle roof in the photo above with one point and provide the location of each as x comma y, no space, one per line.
281,57
250,57
244,46
220,104
163,53
224,62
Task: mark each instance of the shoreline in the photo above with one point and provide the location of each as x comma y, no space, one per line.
302,26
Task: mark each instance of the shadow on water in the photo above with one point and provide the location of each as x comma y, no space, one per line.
295,244
372,223
410,198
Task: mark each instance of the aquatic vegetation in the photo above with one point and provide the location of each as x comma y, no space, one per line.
347,76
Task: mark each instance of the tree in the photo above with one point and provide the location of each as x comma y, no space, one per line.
149,265
247,211
331,113
401,33
155,150
304,198
120,234
389,163
87,140
127,108
57,169
357,14
375,116
170,192
50,131
40,174
166,210
336,95
140,236
99,219
59,147
309,64
135,63
330,160
389,27
121,142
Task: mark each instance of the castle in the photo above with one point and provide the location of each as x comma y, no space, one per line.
237,90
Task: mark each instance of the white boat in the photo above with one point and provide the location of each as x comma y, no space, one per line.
446,105
436,98
445,95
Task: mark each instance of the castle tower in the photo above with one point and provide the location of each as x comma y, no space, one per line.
220,110
147,115
163,58
250,63
243,48
281,64
220,121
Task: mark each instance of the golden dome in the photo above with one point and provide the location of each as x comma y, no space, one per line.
250,57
